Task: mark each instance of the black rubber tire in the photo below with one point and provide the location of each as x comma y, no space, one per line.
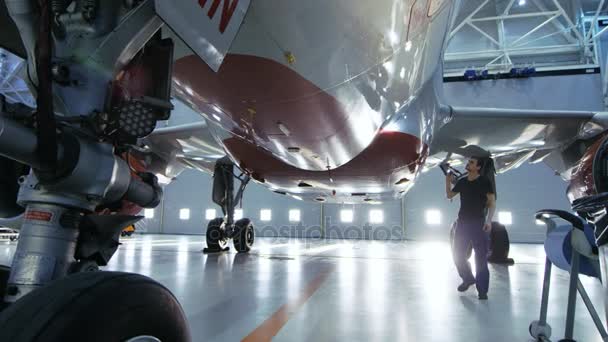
499,243
95,307
5,271
244,239
215,236
84,266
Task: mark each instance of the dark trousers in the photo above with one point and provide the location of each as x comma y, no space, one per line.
465,235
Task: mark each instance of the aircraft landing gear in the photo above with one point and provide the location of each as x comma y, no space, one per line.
221,230
217,240
101,85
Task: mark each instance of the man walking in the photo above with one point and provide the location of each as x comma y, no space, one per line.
477,206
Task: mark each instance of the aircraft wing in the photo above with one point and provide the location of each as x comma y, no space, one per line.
512,136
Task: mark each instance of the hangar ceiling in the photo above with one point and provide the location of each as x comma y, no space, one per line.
492,35
498,35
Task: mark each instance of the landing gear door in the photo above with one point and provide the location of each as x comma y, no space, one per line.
207,26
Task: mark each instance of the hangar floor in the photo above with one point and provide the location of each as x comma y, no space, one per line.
311,290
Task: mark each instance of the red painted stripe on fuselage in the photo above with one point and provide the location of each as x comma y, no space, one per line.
256,94
391,157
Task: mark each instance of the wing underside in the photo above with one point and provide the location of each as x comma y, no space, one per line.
511,136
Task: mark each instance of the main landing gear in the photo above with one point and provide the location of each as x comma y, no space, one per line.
221,230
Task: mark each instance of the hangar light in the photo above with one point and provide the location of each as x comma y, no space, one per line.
210,214
433,217
294,215
184,214
346,216
266,215
149,213
505,217
376,216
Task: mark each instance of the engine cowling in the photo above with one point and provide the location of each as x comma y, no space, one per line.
590,176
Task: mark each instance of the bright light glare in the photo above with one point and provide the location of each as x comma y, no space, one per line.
433,217
184,214
376,216
294,215
210,214
149,213
346,216
393,37
505,217
265,215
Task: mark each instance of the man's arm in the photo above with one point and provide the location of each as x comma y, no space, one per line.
448,186
491,203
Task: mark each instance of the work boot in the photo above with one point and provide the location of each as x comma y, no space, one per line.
483,296
465,285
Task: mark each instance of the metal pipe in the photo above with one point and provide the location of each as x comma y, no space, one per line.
535,29
594,316
143,194
18,143
517,16
569,333
484,33
603,249
544,304
595,17
24,16
569,21
465,21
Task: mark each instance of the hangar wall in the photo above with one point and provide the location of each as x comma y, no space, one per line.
521,192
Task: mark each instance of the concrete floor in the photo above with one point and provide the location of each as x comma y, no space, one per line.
312,290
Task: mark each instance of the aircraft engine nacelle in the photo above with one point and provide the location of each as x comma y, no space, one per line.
590,177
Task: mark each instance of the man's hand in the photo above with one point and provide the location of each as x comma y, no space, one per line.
448,186
487,227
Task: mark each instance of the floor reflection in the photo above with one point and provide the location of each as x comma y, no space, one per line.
379,291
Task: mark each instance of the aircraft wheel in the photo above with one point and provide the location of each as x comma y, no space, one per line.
95,307
4,273
499,244
243,241
216,236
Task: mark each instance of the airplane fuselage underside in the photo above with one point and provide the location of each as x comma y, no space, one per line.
294,106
